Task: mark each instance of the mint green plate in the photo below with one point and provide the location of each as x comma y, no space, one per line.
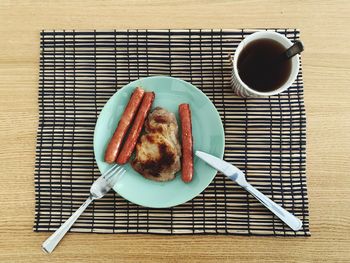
208,136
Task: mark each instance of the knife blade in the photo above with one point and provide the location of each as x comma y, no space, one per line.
231,171
238,176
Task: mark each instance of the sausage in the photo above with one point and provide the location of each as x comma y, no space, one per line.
135,131
113,147
187,142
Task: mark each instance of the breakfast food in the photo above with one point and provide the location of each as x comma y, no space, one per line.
187,142
158,151
135,131
113,147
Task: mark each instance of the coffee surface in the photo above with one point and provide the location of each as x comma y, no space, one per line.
261,67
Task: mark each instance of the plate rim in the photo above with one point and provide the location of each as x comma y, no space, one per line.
222,131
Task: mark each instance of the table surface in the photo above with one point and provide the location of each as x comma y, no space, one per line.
326,65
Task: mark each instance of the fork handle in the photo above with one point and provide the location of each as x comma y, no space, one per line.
49,245
292,221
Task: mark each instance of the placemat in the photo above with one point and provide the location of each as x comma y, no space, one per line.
265,137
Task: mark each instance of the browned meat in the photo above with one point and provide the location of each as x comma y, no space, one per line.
158,151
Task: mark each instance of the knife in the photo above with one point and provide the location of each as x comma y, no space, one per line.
238,176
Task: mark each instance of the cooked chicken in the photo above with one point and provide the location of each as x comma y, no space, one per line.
158,151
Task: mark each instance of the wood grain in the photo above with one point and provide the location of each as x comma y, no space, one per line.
326,63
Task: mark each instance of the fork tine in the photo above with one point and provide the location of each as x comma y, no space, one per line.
113,167
115,172
112,180
111,170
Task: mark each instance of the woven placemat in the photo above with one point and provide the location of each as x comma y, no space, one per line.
265,137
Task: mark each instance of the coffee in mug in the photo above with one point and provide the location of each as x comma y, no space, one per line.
258,68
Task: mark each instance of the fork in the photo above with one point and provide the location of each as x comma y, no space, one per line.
98,189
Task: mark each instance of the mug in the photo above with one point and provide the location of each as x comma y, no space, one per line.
243,90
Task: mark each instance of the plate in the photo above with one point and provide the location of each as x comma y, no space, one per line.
208,136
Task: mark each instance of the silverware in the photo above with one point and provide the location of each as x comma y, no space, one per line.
238,176
98,189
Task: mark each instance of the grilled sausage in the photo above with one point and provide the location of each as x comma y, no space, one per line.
135,131
187,142
113,147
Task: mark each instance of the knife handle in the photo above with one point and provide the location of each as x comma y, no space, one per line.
292,221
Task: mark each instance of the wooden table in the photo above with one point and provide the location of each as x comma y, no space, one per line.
326,60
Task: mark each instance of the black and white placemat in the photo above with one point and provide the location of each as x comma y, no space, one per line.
265,137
